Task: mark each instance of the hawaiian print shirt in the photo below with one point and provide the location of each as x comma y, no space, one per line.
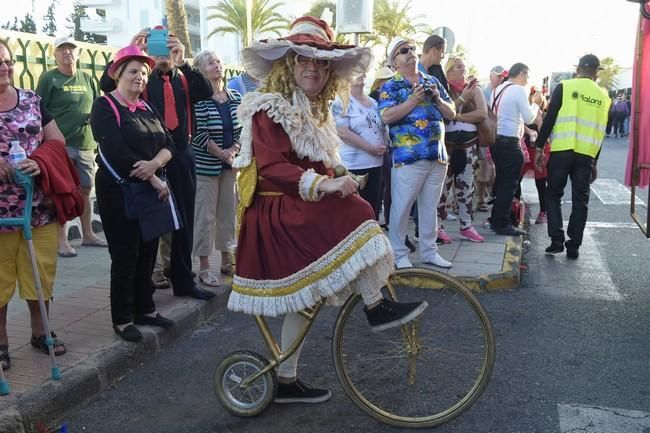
419,134
22,123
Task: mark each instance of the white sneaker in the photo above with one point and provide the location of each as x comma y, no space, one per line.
403,263
451,216
437,260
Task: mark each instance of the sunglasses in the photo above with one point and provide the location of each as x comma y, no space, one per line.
406,50
319,63
8,62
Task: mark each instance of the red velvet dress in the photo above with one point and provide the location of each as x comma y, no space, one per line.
292,252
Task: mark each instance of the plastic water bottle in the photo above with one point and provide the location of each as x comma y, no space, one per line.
16,153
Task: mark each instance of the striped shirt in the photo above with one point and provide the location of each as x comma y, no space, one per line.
210,125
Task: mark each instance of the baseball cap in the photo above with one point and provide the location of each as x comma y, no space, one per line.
499,70
589,61
63,40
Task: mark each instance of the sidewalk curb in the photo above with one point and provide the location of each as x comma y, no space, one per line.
52,400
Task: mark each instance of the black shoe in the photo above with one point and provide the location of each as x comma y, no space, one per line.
556,247
130,333
199,293
389,314
571,251
159,321
299,392
509,231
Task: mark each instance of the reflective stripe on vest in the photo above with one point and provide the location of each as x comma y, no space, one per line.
581,122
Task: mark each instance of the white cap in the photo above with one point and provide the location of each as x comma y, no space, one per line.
392,48
62,40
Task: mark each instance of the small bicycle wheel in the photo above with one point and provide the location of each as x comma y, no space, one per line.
249,400
426,372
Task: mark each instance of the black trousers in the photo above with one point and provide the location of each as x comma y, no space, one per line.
372,192
508,161
132,259
561,166
181,174
618,122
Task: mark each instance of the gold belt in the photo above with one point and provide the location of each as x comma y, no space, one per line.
269,193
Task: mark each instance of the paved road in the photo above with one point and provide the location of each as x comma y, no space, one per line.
572,352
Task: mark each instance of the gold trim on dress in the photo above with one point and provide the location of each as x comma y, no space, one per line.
342,252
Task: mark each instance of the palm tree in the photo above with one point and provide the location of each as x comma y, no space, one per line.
607,77
265,19
317,9
392,19
177,23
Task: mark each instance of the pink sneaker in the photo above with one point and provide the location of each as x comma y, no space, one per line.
471,234
443,237
541,218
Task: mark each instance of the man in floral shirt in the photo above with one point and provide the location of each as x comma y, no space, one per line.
413,104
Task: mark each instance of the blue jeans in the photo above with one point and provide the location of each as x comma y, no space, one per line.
508,160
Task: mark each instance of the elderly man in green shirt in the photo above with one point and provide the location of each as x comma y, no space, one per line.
68,94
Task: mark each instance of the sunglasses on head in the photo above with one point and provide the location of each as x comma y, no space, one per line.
405,50
8,62
320,63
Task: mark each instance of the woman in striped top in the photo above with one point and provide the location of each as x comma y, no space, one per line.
215,144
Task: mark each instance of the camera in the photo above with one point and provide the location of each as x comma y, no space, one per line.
429,88
157,42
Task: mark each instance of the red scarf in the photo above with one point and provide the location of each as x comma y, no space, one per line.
457,85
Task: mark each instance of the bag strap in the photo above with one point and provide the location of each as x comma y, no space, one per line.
109,167
498,97
112,104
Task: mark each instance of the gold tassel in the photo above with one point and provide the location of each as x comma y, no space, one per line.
246,185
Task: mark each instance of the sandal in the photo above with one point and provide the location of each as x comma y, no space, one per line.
5,361
41,344
483,207
207,278
228,269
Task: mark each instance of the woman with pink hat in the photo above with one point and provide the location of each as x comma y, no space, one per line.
133,145
304,234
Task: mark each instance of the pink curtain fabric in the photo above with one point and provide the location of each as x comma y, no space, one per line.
644,110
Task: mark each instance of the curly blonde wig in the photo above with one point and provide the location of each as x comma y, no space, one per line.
280,80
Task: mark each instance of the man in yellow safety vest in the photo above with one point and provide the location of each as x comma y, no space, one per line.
576,122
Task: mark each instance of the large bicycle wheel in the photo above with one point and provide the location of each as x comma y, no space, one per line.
426,372
244,401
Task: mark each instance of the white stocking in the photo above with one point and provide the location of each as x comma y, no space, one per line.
293,323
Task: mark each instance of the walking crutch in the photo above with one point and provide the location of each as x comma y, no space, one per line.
25,222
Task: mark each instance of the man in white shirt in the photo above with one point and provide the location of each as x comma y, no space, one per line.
513,111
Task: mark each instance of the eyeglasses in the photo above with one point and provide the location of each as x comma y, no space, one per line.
319,63
9,62
406,50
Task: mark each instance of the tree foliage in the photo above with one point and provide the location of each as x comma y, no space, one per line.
49,20
26,24
391,19
607,77
10,26
232,13
317,9
74,26
177,23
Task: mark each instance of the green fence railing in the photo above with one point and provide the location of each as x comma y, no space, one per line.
34,54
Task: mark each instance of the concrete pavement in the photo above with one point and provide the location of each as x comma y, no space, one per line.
97,358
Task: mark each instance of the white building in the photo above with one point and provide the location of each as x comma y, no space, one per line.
119,20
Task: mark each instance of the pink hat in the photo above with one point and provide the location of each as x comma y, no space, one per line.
128,53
